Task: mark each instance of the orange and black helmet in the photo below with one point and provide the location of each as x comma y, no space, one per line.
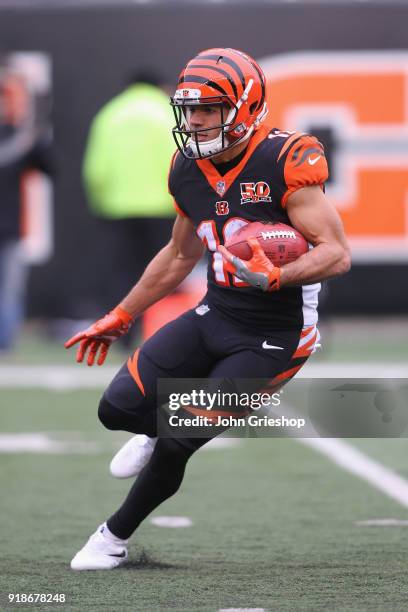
220,77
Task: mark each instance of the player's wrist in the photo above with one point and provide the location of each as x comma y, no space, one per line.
275,279
123,314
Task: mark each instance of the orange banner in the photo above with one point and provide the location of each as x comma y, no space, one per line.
361,97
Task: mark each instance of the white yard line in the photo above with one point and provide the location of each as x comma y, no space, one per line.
241,610
220,444
354,461
175,522
44,443
56,378
387,522
354,369
68,377
74,443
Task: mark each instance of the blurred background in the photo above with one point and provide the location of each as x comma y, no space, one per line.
83,85
328,73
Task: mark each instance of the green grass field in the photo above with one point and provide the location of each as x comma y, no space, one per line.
273,523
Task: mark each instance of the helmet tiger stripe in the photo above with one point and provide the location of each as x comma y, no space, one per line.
228,78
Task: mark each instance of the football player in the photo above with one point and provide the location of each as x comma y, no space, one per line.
256,320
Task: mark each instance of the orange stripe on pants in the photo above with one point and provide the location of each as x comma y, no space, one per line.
134,371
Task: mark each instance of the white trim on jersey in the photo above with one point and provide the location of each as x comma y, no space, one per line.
310,297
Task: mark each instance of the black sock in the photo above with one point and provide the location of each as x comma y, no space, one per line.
158,481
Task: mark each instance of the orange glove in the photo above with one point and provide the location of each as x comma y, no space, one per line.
258,271
100,335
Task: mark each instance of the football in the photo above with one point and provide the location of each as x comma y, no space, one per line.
281,243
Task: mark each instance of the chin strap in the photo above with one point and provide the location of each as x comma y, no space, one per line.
261,117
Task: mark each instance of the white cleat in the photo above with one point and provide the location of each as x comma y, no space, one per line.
132,457
103,551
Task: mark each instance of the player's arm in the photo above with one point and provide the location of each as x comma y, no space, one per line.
304,172
167,269
311,213
315,217
163,274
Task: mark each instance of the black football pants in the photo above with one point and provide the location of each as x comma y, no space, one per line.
192,346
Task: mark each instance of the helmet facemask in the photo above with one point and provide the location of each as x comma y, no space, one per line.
188,139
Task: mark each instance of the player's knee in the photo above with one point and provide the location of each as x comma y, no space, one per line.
108,414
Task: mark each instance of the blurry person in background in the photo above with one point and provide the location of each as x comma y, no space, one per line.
22,147
125,171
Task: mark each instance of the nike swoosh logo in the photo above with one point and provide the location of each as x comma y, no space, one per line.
122,554
314,160
265,345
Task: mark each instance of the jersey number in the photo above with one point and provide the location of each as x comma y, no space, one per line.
207,231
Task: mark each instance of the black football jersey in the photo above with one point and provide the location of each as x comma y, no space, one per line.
275,164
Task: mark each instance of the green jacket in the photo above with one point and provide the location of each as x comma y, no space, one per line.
128,155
